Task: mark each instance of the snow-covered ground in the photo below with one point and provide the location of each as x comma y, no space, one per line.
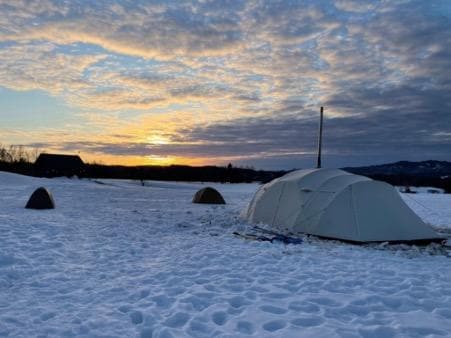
121,260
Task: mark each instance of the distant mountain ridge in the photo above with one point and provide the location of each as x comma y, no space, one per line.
429,168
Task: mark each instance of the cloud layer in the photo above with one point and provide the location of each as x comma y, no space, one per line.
214,81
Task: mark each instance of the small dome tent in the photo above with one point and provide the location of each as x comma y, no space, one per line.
334,204
208,195
41,199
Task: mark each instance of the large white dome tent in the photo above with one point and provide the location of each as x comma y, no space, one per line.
332,203
335,204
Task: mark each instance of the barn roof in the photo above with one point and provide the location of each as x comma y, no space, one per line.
59,161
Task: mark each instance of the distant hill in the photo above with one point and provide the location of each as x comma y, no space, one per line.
405,168
405,173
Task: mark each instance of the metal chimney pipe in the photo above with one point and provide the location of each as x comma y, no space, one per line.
320,137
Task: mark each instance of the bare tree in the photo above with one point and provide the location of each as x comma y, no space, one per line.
4,154
18,153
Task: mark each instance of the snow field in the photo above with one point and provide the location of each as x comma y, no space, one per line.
121,260
434,209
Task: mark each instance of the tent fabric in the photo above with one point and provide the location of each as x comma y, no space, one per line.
208,195
336,204
41,199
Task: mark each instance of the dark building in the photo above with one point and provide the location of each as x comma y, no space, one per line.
51,165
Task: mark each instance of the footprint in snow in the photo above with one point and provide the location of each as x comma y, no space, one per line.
235,311
177,320
238,301
251,295
124,308
136,317
277,295
324,301
273,309
303,307
48,315
146,333
198,328
163,301
245,327
197,303
307,322
219,318
274,325
444,312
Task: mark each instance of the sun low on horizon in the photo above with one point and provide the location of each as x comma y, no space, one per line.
213,82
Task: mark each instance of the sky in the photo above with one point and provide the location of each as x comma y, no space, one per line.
212,82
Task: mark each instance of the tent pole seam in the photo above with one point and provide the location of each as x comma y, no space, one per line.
356,220
278,203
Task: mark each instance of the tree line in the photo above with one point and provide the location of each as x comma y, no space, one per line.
18,154
19,159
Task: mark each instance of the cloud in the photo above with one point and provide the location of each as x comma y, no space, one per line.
291,140
245,78
360,6
41,66
149,30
